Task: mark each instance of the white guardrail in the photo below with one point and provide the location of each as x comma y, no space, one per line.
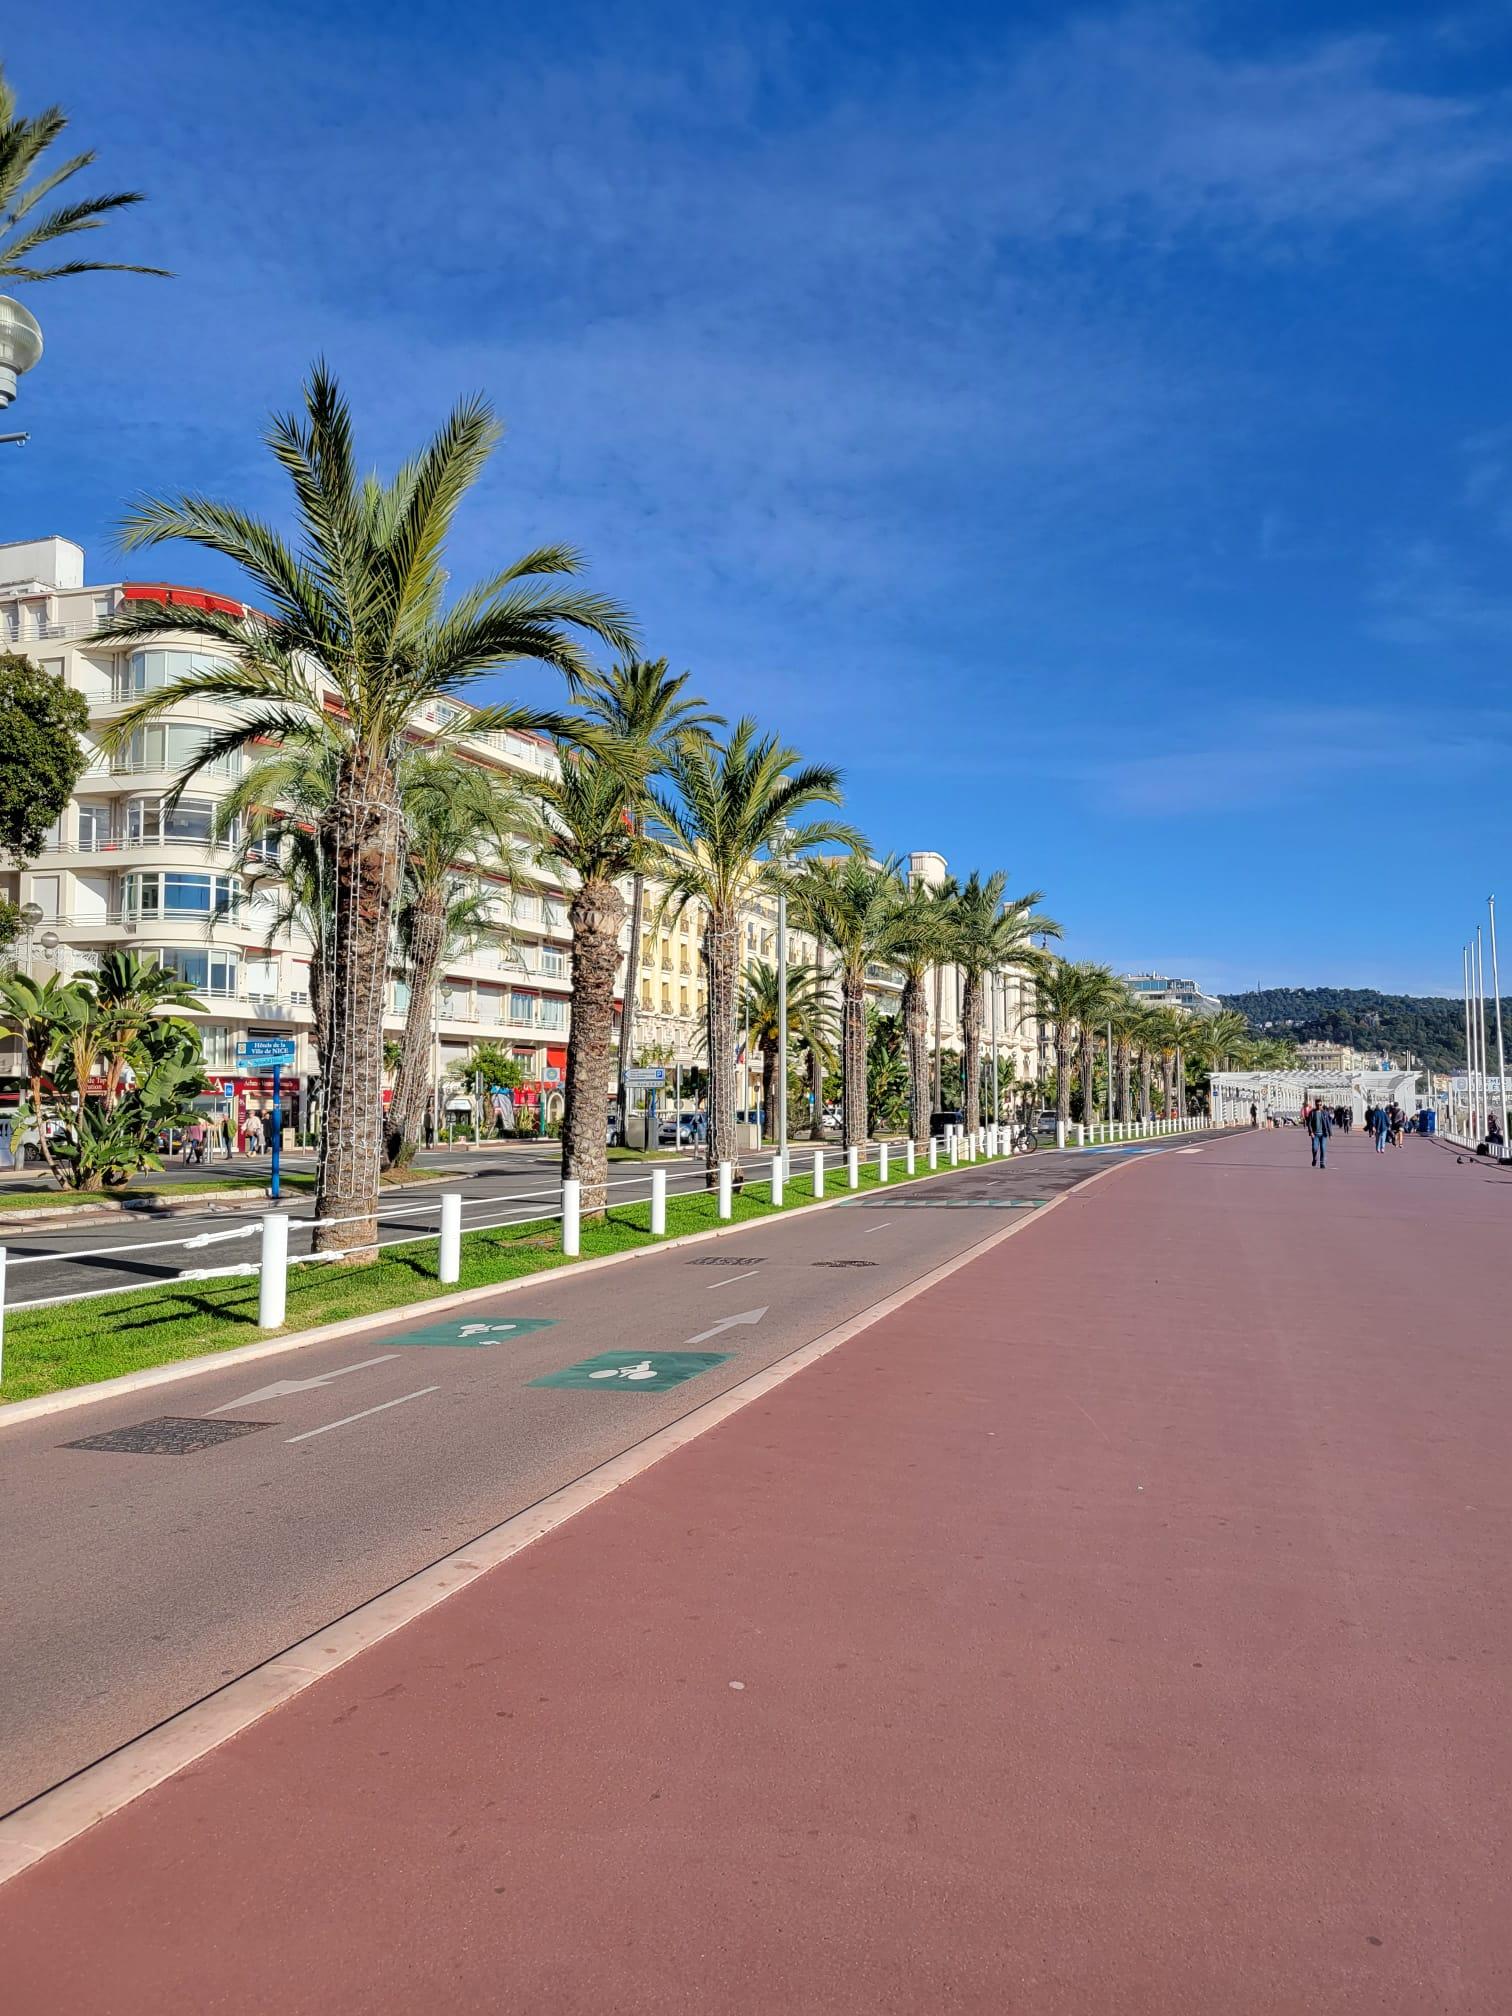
564,1201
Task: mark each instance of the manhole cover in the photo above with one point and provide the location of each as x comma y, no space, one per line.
845,1263
168,1435
728,1260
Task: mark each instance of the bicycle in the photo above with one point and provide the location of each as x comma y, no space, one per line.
1023,1138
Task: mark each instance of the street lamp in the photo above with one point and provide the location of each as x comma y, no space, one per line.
20,345
31,915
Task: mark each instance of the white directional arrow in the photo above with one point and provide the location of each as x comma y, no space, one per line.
728,1323
281,1387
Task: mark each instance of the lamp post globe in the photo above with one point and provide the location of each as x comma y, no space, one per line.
20,345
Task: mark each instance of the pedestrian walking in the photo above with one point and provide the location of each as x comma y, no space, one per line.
1382,1121
1254,1114
1319,1127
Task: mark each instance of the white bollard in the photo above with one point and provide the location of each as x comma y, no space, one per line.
818,1172
572,1215
1060,1133
1081,1135
725,1180
853,1168
658,1203
273,1271
934,1152
882,1162
777,1179
449,1265
908,1158
955,1150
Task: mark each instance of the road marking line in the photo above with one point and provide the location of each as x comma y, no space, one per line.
876,1228
347,1419
730,1279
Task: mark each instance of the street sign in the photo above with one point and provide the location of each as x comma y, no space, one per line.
634,1371
646,1074
468,1332
552,1075
261,1053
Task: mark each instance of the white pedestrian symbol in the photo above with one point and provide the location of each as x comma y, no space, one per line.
474,1329
645,1370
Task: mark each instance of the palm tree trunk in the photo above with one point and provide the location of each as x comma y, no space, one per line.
595,914
1167,1081
1146,1072
632,981
971,1048
722,958
367,851
769,1087
1088,1076
916,1029
1124,1088
1063,1073
853,1053
816,1096
427,945
939,1054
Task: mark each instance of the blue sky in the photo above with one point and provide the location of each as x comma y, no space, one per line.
1091,428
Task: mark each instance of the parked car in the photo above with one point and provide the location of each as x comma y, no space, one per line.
952,1116
681,1132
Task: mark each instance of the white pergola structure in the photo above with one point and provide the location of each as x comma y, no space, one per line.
1285,1093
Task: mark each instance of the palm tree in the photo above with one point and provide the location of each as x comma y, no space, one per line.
594,808
34,1012
1124,1013
990,933
642,707
356,643
849,903
457,817
818,1044
1065,994
919,935
732,801
23,142
1101,993
761,1012
130,992
1168,1029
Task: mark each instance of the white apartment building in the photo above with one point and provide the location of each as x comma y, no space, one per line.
122,868
1160,990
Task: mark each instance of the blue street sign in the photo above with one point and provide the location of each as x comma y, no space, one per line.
262,1053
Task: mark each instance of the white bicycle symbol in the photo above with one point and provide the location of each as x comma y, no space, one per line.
645,1370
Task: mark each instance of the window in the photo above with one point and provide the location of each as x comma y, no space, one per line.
682,1000
645,1000
150,819
401,996
171,894
553,1012
666,999
174,746
209,971
149,671
215,1041
94,826
522,1007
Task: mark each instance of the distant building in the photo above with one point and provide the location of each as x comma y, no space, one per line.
1159,990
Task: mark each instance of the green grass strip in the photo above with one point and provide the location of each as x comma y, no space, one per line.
79,1343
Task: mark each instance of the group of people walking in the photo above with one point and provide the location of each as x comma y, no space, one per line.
1384,1124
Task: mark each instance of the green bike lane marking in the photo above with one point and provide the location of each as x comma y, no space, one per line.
633,1371
467,1333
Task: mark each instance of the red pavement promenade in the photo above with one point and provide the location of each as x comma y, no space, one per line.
1121,1628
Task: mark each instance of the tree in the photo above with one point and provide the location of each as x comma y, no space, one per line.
989,933
886,1071
41,756
1101,993
458,820
728,807
353,639
850,904
1070,996
642,708
118,1067
23,142
761,1012
918,940
593,832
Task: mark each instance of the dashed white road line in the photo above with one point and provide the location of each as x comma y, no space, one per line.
347,1419
876,1228
731,1279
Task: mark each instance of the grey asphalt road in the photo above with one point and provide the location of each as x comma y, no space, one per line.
511,1184
135,1583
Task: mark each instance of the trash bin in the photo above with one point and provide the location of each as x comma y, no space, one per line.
1426,1121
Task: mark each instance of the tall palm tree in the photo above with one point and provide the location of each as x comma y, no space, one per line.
850,903
721,820
1124,1013
1065,995
818,1045
1168,1031
594,807
1101,992
23,232
460,822
990,933
642,707
918,938
354,639
130,992
761,1011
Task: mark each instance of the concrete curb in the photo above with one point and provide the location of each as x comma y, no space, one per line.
16,1411
58,1816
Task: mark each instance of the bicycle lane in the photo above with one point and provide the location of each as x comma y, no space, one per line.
1116,1626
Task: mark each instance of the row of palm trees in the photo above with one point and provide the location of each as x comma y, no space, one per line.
379,835
1086,1005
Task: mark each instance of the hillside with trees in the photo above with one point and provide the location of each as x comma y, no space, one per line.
1431,1026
